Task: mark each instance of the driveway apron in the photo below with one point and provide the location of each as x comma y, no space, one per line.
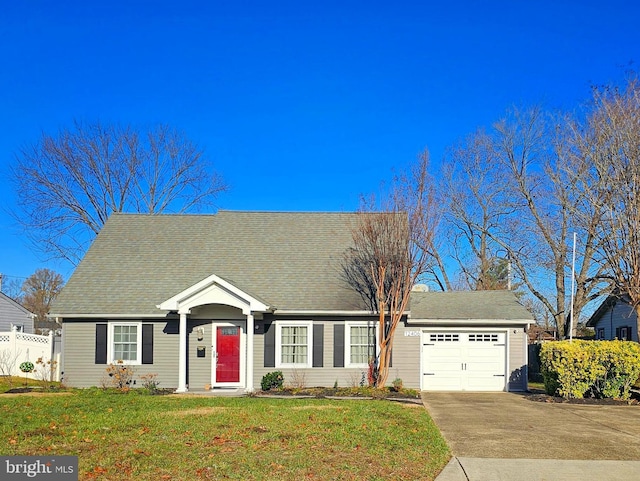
508,425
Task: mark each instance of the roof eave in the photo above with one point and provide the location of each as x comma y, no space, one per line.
468,321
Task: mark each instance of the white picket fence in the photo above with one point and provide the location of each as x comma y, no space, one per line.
17,347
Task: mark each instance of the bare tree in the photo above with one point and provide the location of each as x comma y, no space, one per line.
69,184
11,286
512,191
609,148
386,258
39,291
8,362
475,197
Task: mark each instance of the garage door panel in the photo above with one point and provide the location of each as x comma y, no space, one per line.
437,367
489,368
451,353
473,361
443,383
485,383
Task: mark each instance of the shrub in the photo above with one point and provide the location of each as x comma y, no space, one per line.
45,370
150,383
272,380
593,368
397,384
119,376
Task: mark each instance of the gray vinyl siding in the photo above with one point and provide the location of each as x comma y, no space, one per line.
621,315
78,360
12,313
517,364
405,359
198,368
325,376
405,356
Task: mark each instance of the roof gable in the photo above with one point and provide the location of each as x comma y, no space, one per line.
213,290
10,304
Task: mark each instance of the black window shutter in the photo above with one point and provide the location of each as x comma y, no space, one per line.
147,344
338,345
101,344
391,358
318,345
618,333
629,336
269,345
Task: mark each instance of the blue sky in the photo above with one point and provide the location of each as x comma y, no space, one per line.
300,107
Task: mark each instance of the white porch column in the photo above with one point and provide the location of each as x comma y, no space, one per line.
182,354
250,334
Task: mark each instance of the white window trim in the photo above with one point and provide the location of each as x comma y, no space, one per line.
110,338
279,326
347,341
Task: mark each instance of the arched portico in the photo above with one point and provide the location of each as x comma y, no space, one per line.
215,290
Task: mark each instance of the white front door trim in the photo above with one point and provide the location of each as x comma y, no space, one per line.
243,352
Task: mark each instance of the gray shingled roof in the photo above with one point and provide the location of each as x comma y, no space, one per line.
460,305
288,260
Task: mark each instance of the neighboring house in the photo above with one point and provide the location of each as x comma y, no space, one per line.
615,318
539,333
13,314
220,300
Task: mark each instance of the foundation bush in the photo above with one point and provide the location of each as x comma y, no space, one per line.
600,369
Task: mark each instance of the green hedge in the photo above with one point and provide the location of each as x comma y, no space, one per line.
601,369
272,380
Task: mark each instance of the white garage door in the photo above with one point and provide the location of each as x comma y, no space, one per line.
463,361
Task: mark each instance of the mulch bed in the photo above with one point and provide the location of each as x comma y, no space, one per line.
320,392
539,396
22,390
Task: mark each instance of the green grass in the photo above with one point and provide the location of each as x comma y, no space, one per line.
16,382
536,386
132,436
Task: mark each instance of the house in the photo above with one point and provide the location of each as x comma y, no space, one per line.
538,333
14,315
220,300
615,318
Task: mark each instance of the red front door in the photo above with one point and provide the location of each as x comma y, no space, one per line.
228,354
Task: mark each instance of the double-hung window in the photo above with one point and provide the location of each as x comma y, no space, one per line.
294,344
360,343
126,343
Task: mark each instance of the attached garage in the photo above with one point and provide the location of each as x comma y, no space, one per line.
468,341
464,361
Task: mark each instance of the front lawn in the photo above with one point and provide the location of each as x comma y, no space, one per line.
132,436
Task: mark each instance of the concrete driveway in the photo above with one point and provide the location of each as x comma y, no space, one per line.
508,425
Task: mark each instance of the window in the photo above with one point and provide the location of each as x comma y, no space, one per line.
600,333
360,344
444,337
293,344
483,338
126,342
624,333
